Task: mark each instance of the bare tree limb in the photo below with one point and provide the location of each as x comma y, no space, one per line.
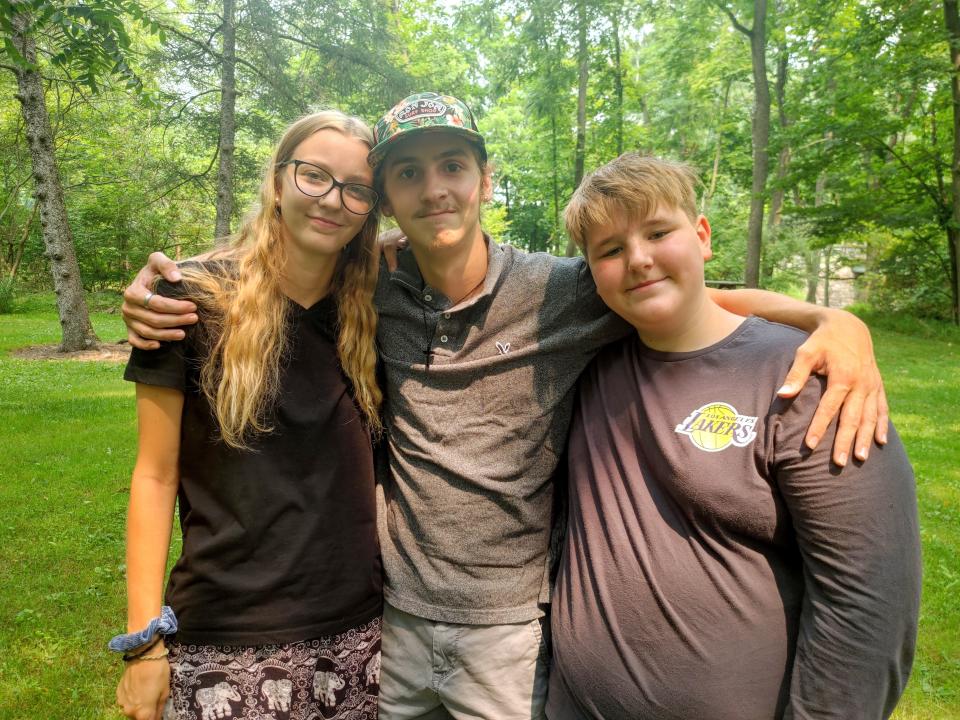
733,19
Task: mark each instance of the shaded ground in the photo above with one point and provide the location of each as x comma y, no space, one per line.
105,352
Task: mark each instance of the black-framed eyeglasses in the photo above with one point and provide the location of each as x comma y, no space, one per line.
314,181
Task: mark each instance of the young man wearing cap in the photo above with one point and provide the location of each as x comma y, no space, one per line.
482,345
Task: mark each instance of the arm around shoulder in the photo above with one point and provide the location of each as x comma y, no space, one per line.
841,349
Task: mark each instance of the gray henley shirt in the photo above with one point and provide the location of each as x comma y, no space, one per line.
479,402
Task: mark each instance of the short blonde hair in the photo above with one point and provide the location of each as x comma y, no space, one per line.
633,183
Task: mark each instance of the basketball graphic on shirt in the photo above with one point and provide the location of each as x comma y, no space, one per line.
717,425
718,415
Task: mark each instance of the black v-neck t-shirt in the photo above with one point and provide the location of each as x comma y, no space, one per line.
279,541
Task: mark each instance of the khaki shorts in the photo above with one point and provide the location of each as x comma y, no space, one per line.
436,671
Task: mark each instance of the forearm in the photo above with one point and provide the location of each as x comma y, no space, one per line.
771,306
153,493
149,526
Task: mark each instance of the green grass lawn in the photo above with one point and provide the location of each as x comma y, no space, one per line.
67,433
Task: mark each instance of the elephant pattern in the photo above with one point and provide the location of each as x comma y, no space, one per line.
215,702
373,670
277,693
308,680
325,685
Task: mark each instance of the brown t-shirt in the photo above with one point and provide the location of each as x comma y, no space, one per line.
279,542
716,569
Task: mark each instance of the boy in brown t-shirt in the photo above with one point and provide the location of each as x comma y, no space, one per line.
714,566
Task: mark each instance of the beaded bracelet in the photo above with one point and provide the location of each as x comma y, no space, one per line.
143,649
158,656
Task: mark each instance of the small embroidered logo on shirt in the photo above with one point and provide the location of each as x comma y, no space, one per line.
504,348
716,425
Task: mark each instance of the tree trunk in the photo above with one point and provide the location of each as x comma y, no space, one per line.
21,246
812,261
828,251
228,125
783,160
761,138
712,188
952,18
555,243
77,332
584,62
618,78
777,195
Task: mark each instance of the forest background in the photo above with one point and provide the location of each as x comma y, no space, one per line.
826,133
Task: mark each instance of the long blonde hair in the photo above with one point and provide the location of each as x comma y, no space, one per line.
246,312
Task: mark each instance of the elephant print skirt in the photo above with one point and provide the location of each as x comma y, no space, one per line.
329,677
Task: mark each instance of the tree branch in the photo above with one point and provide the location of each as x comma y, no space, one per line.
927,188
189,178
13,195
733,18
206,47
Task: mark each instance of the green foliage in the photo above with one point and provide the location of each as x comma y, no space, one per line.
90,40
864,119
906,324
908,275
7,295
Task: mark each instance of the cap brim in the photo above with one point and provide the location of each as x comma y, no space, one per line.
380,151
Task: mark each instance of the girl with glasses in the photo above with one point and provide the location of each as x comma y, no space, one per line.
260,424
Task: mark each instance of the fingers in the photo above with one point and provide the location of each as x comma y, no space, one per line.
160,264
156,323
393,236
848,427
867,428
136,293
157,264
161,702
390,255
163,306
830,404
143,691
139,300
883,417
390,241
802,368
140,342
148,331
133,709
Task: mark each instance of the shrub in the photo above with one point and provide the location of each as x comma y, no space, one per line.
6,295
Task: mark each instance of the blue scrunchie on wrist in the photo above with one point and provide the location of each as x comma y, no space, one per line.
166,624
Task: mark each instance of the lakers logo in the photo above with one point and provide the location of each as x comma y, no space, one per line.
716,425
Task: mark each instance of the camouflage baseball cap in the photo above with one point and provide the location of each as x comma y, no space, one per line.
424,112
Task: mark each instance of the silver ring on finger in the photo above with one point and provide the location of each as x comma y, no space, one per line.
146,299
